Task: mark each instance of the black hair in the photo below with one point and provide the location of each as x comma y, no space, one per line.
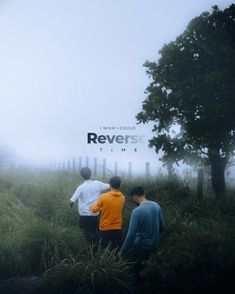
85,172
137,191
115,182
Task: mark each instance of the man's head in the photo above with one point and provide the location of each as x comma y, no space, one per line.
85,172
138,194
115,182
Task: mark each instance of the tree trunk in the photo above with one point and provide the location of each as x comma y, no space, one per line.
200,184
218,165
170,170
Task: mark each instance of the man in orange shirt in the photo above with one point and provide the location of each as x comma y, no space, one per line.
110,206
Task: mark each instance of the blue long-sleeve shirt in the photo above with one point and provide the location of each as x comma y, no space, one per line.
146,225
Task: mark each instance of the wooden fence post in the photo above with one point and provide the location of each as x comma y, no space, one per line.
68,165
95,166
104,168
130,169
74,165
80,163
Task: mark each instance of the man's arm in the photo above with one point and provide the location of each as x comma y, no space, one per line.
103,186
97,206
75,197
71,204
131,233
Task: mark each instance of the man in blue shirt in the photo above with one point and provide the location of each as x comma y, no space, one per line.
146,225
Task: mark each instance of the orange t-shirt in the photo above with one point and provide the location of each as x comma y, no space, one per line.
110,205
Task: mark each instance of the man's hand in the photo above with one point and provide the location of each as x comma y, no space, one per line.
71,204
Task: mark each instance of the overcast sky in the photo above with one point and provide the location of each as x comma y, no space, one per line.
69,67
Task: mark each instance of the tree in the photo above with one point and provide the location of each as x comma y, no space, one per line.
191,98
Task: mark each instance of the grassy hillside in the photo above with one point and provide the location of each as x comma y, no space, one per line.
42,247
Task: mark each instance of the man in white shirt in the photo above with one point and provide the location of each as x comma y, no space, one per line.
86,195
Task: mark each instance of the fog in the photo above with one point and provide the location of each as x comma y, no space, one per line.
73,67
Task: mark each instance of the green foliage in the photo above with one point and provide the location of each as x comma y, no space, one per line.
13,214
192,254
5,184
12,261
42,234
24,233
94,271
195,249
48,196
193,86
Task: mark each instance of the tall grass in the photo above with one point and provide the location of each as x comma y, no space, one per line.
92,271
12,261
39,235
23,234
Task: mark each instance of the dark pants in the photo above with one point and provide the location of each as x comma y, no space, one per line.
112,237
89,226
139,257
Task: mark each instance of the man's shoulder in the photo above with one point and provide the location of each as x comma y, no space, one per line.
122,195
100,184
80,186
154,204
90,183
136,210
144,207
104,195
85,185
109,193
97,182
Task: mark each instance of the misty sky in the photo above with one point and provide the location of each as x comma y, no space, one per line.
69,67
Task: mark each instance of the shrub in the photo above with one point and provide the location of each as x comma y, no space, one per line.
94,271
12,262
40,234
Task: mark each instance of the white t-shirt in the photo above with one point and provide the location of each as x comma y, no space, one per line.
87,194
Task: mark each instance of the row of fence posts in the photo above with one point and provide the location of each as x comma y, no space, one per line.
73,166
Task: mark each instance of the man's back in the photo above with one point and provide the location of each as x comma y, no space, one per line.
110,205
149,218
146,224
87,194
